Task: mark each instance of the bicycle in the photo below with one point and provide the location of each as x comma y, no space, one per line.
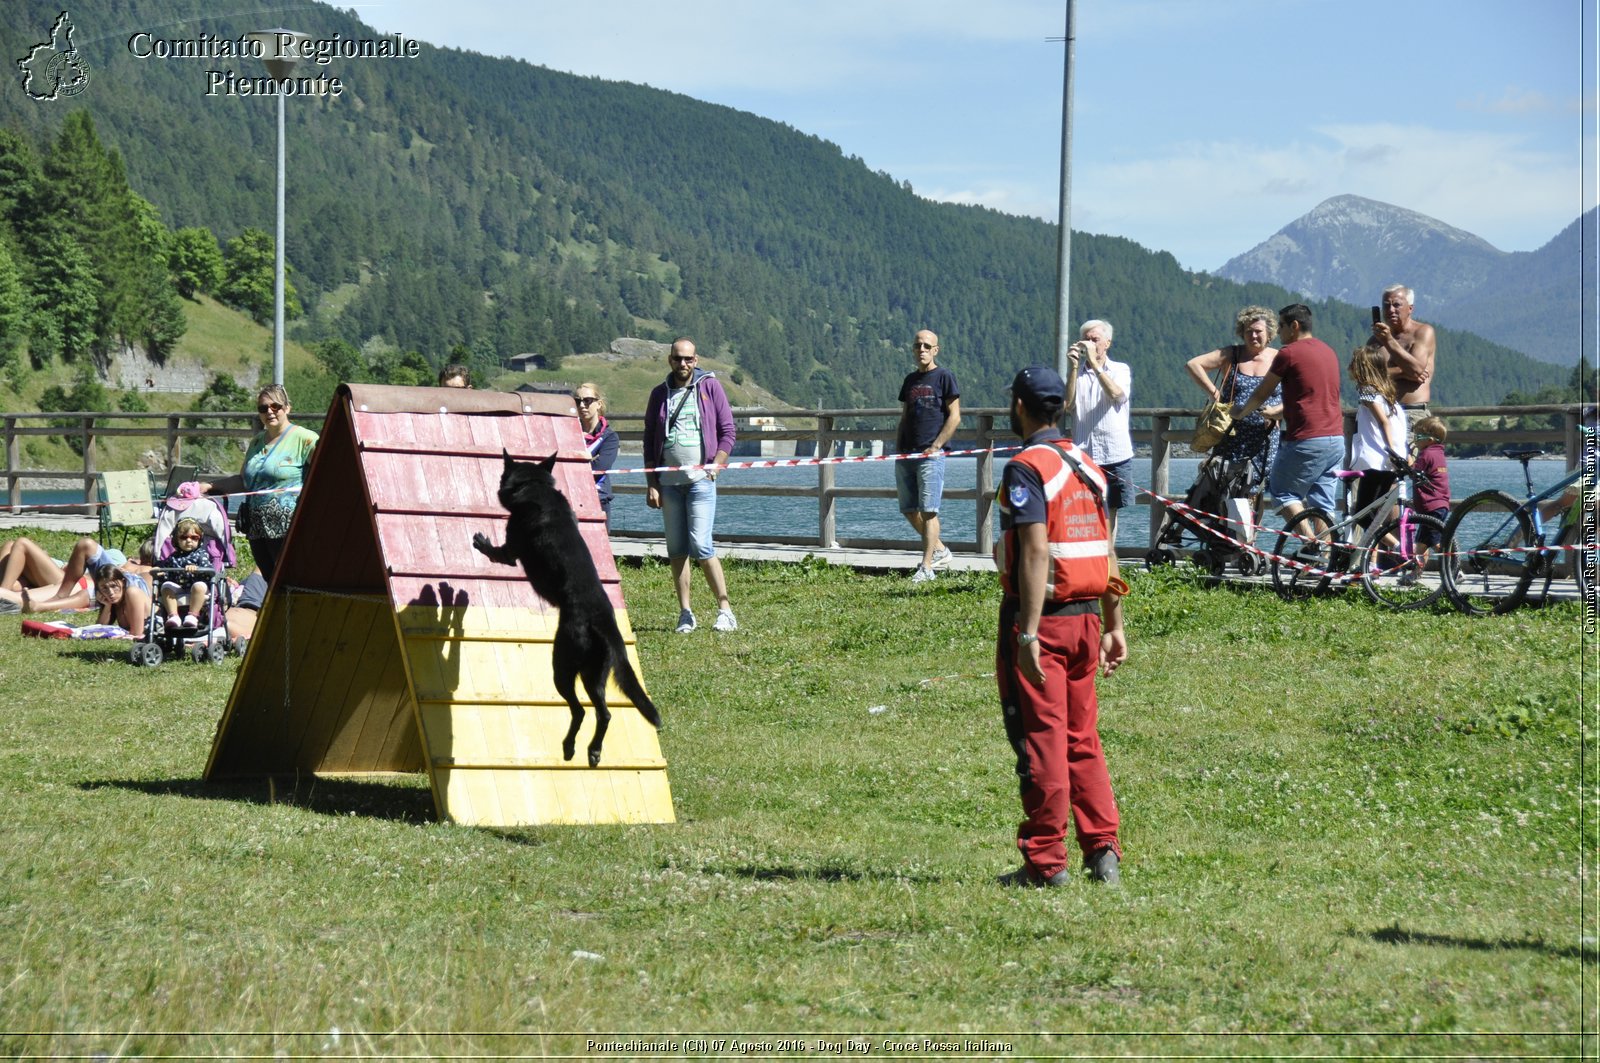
1503,544
1315,554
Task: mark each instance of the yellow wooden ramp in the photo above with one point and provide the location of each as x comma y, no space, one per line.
387,643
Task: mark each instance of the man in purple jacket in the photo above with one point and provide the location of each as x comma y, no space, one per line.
688,435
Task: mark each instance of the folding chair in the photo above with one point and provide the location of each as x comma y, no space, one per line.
126,503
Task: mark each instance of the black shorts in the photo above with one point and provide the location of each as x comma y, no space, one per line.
252,592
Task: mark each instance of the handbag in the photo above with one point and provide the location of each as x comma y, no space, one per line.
1216,420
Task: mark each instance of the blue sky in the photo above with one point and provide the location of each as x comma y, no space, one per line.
1201,126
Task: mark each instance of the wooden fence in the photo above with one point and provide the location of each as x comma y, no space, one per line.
820,432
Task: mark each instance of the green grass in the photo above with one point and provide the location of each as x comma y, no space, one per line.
1347,832
627,382
224,340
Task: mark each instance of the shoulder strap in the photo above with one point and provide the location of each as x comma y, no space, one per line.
1229,370
1069,454
692,389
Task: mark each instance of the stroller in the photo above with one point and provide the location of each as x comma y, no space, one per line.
210,640
1206,524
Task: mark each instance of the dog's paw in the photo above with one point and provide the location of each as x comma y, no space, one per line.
568,748
481,543
594,758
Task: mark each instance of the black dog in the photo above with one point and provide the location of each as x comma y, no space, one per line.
542,534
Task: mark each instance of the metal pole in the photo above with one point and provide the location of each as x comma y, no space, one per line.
1064,237
277,261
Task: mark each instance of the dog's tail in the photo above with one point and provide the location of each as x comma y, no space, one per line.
628,681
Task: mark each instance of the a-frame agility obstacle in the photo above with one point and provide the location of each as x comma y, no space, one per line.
388,644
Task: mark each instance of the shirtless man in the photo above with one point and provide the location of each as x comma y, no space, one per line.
1410,344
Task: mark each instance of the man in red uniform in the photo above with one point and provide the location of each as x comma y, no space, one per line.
1058,577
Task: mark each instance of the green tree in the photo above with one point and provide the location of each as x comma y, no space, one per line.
87,395
195,261
247,282
404,370
148,306
19,188
66,296
342,361
311,389
13,317
222,395
85,190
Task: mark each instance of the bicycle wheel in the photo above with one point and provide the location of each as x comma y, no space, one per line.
1490,564
1395,575
1304,555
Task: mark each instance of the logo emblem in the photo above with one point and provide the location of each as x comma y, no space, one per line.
54,69
1019,496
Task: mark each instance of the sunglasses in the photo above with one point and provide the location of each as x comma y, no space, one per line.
588,400
679,359
924,346
269,407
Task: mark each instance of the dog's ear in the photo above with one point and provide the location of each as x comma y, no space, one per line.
507,455
548,464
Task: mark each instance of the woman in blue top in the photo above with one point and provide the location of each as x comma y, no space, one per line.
275,464
599,437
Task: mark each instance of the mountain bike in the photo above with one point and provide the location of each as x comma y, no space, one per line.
1316,554
1502,544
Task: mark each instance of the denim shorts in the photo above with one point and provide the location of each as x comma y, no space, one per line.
688,511
920,483
1303,471
1118,491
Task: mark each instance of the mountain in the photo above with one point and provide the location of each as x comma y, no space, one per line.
454,200
1350,248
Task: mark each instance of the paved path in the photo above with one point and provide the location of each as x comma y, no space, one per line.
869,560
49,522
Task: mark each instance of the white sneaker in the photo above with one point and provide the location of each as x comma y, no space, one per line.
941,557
923,574
685,622
725,621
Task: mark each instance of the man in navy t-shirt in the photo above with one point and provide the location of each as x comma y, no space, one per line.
930,411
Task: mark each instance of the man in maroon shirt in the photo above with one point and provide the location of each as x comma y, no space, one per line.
1313,424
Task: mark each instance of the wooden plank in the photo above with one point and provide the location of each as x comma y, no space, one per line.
351,672
573,797
531,735
441,545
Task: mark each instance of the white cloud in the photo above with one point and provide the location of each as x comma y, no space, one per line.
1206,202
1513,100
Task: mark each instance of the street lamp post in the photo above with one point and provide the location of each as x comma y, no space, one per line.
279,50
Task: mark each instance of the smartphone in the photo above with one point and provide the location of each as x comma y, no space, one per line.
1377,314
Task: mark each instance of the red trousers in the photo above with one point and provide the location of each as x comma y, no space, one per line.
1055,732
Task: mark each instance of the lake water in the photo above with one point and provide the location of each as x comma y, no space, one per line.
871,518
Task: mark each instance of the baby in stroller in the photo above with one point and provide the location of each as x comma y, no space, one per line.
185,573
193,549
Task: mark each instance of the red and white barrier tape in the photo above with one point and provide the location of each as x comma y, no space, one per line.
794,463
35,507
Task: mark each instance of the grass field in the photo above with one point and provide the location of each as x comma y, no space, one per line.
1347,833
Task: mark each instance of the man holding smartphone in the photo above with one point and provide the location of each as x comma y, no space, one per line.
1411,346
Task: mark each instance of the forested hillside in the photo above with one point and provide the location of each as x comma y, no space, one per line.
454,201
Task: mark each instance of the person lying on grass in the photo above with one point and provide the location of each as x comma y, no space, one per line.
31,581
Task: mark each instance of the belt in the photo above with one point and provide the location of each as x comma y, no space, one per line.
1076,607
1413,405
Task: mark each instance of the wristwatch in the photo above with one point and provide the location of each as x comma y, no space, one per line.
1025,639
